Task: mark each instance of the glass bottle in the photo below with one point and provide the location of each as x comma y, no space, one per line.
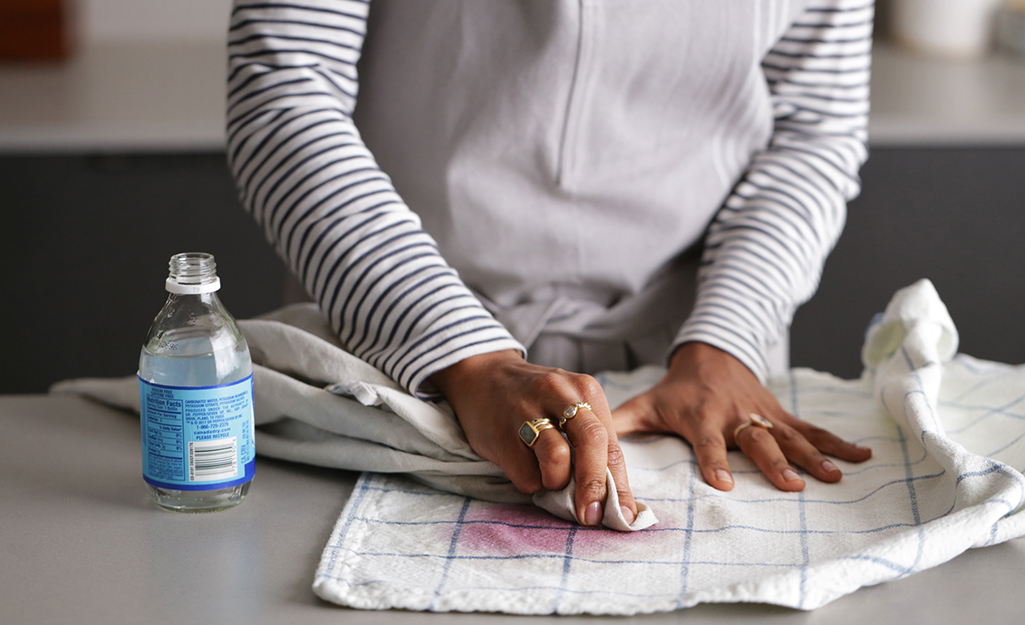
196,394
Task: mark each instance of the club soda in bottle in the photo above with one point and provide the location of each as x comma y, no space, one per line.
196,395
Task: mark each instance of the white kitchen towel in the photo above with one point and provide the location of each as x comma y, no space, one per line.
316,403
947,437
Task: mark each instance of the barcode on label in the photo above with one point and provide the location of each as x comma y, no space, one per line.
213,460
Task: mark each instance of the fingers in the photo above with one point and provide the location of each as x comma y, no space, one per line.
591,451
803,453
710,450
793,440
554,459
596,448
617,466
536,461
590,443
829,443
760,445
712,428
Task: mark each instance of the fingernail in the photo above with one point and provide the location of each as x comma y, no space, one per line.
628,514
723,476
828,466
592,514
790,475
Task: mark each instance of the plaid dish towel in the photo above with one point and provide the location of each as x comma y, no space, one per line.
947,436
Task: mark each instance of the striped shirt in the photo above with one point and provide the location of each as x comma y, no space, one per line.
581,143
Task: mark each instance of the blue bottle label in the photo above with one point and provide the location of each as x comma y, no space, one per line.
197,438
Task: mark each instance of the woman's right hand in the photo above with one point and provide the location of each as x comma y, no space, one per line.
494,394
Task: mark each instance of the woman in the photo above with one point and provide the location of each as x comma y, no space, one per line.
604,183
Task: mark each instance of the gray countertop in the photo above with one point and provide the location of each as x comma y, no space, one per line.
81,543
170,97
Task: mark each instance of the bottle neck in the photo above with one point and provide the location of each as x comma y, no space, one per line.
192,273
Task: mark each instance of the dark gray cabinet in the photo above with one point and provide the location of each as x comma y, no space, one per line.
84,242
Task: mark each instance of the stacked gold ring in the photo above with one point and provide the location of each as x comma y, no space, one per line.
753,419
531,430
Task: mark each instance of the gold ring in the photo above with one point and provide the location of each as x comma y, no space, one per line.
531,430
753,419
571,411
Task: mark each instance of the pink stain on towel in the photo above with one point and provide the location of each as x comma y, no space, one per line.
525,529
513,529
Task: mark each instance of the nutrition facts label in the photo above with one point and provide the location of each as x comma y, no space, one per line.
164,428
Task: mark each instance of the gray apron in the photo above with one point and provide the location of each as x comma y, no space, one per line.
568,155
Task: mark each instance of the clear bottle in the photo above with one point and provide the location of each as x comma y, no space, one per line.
196,393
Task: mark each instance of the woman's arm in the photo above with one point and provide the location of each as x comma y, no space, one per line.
764,255
314,188
305,175
766,247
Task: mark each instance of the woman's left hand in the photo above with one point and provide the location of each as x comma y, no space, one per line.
706,395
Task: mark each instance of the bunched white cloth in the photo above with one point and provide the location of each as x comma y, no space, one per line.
318,404
947,434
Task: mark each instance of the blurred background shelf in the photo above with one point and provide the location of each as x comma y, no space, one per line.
924,101
168,96
110,97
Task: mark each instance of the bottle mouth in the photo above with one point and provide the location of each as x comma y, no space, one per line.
192,273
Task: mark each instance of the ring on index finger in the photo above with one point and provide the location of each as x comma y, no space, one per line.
753,419
571,411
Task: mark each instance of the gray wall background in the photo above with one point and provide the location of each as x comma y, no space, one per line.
84,242
955,216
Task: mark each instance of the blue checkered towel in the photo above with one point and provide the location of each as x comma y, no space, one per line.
947,436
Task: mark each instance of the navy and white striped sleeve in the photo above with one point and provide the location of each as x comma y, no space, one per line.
313,187
766,247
